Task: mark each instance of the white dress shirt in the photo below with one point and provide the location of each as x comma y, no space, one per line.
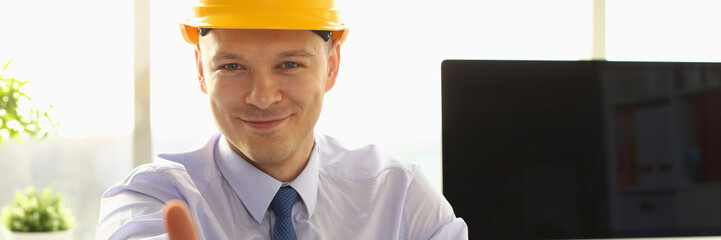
363,193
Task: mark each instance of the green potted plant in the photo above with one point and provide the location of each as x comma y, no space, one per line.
19,114
33,215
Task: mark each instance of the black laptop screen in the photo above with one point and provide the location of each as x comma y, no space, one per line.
582,149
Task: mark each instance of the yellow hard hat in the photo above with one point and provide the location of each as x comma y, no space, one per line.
321,15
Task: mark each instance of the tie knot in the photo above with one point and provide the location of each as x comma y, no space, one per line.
282,203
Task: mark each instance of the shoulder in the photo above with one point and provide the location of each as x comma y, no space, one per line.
160,179
134,205
198,165
361,163
174,173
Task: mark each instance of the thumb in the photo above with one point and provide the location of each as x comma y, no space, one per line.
178,221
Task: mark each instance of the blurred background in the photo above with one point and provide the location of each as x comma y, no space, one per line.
79,56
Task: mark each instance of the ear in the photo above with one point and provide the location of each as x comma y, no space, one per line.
333,64
199,66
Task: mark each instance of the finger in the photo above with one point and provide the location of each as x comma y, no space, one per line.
178,221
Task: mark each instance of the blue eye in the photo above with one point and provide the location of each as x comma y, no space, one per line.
231,66
290,65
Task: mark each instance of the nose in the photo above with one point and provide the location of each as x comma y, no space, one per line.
264,91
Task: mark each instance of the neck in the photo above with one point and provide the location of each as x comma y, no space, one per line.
287,169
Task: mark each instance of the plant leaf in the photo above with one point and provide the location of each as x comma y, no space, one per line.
6,65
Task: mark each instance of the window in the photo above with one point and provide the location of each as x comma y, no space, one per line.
78,57
663,30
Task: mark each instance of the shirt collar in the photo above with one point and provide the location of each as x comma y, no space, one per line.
256,189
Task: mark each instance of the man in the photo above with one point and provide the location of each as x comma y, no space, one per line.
265,66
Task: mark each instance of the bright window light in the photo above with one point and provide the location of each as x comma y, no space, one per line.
77,59
663,30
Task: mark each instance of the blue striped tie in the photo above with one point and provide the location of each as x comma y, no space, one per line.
282,206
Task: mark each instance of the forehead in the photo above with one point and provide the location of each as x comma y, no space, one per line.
260,39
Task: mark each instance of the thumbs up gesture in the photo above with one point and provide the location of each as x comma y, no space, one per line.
178,221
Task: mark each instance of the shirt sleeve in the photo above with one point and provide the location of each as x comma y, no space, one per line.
428,215
133,208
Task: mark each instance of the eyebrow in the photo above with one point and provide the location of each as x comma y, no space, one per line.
227,55
292,53
296,53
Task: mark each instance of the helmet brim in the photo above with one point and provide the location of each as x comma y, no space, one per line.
189,27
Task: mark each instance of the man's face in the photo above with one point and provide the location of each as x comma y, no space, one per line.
266,89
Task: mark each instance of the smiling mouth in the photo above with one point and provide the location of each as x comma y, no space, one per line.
264,124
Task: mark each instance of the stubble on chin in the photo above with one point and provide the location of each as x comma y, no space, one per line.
266,150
